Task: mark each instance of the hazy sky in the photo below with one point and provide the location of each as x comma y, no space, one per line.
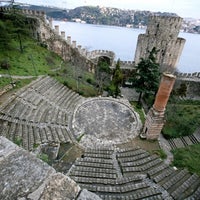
184,8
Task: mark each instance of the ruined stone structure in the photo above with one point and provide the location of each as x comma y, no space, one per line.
46,112
23,176
155,117
162,33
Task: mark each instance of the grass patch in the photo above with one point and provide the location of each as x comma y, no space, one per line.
64,147
188,158
44,157
34,61
19,83
4,82
160,153
182,118
139,110
18,141
76,79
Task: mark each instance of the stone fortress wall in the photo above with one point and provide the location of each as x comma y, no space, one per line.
162,32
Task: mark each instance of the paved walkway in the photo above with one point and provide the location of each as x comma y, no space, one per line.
19,77
164,145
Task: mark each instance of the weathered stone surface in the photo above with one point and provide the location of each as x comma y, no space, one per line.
21,173
25,176
105,120
86,195
60,187
6,148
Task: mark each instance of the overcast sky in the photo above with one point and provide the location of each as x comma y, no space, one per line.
184,8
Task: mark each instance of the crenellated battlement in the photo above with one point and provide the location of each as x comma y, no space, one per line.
28,12
195,77
125,64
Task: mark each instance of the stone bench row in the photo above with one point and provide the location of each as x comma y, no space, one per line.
98,155
156,170
134,158
65,101
51,91
131,153
31,135
95,170
139,162
179,183
93,180
165,173
195,195
175,179
57,93
117,189
100,151
42,114
190,184
93,163
184,141
120,181
96,160
147,193
143,168
92,174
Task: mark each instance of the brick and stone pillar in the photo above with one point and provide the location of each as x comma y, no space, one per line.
155,117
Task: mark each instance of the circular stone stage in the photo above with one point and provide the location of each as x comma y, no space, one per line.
105,121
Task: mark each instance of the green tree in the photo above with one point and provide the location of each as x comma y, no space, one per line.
102,73
20,28
181,91
147,76
116,80
5,38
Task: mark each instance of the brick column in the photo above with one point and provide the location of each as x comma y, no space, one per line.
155,117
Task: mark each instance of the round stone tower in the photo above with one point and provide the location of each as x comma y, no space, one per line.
161,33
155,117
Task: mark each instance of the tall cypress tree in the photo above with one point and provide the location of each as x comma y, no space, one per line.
147,76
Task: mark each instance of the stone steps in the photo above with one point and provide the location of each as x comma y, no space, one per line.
32,134
184,141
33,106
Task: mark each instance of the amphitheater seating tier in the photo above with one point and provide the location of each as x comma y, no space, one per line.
39,113
96,172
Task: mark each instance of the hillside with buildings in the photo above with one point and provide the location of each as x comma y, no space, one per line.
112,16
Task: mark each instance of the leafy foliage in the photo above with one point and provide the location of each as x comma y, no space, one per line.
188,158
182,118
181,91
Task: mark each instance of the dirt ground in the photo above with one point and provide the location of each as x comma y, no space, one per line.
144,144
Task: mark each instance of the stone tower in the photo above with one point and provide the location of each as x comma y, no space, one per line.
155,117
162,33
